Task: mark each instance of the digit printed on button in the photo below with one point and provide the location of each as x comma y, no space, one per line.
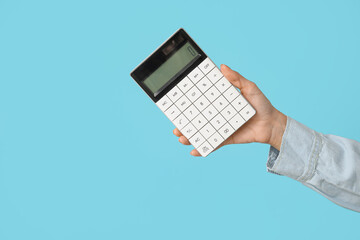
218,121
191,112
202,103
199,121
220,103
210,112
215,140
212,94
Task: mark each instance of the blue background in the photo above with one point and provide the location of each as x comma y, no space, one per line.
85,154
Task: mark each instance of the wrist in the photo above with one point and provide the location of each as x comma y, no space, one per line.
278,124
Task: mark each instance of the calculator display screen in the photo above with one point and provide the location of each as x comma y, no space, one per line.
171,68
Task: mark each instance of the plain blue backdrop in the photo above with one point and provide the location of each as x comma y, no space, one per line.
85,154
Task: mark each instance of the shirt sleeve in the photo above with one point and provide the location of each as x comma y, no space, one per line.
328,164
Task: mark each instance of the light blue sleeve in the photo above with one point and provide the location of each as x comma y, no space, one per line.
328,164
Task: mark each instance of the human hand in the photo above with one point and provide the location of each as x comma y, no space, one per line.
268,124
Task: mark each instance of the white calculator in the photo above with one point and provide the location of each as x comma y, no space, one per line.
192,92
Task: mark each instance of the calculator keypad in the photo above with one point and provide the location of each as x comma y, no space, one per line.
205,107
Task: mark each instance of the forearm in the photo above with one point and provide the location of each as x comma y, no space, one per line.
328,164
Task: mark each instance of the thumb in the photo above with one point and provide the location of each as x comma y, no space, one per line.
234,77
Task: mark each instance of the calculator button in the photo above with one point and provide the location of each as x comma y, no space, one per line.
172,112
237,121
228,112
199,121
212,94
239,103
215,140
226,131
204,84
196,75
188,131
206,65
231,93
223,84
218,121
174,94
180,121
210,112
191,112
247,112
183,103
197,140
164,103
220,103
193,94
207,130
201,103
214,75
205,149
185,84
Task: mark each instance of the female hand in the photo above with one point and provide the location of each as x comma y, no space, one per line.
268,124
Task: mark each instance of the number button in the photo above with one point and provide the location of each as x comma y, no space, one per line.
205,149
237,121
231,93
183,103
193,94
164,103
226,131
199,121
204,84
174,94
206,66
223,84
247,112
210,112
172,112
212,94
220,103
197,140
188,131
181,121
239,103
228,112
196,75
218,121
202,103
215,140
191,112
207,130
214,75
185,84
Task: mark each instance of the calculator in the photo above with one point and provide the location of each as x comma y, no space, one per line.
192,92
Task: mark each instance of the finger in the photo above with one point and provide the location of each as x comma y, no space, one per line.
234,77
184,140
177,132
195,153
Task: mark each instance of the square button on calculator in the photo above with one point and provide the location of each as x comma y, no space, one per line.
192,92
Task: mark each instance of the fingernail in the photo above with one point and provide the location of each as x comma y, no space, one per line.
224,66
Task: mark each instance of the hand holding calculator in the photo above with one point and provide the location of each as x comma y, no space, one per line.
193,93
